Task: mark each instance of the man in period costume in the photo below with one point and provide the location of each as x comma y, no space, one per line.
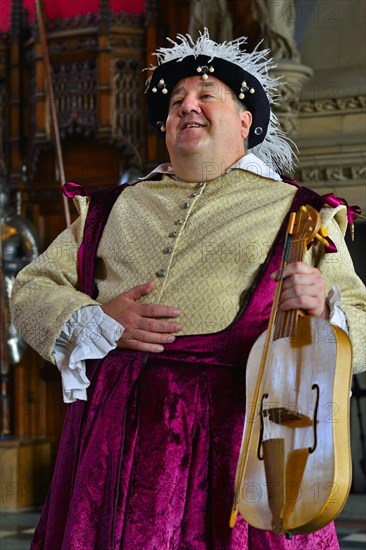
151,440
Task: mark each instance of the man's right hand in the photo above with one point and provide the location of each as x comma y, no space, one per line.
146,325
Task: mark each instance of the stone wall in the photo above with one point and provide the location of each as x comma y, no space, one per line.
332,121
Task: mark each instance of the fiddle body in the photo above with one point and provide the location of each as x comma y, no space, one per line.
294,469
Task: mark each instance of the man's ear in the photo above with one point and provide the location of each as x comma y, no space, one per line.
246,122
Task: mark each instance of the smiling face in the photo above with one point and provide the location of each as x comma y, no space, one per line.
205,123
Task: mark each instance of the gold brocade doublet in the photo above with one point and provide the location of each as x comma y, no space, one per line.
201,243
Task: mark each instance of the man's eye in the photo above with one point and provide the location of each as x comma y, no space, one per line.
176,102
207,96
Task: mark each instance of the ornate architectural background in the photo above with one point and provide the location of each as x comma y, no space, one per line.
97,50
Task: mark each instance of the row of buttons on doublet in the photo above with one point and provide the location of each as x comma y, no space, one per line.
180,222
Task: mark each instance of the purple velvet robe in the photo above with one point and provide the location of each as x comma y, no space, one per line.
149,461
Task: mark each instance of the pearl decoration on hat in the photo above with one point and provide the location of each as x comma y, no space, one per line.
244,88
161,126
205,70
162,86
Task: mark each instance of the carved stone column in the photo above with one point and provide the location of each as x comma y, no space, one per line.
276,22
293,77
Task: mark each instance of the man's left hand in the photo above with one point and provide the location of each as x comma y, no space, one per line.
302,288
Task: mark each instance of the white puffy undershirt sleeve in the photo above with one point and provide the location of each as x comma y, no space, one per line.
336,315
91,334
88,334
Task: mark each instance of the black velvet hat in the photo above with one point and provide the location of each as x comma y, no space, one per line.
245,73
246,87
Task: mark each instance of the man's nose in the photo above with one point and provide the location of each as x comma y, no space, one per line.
189,104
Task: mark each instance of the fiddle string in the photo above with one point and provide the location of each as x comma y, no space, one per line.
297,254
277,326
284,322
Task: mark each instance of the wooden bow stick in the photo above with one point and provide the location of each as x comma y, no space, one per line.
51,98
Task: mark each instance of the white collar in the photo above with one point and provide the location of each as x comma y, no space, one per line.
249,162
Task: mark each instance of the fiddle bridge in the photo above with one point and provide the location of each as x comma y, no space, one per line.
288,417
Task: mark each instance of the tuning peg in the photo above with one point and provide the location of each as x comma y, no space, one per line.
321,236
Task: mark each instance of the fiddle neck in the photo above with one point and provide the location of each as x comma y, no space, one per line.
286,321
